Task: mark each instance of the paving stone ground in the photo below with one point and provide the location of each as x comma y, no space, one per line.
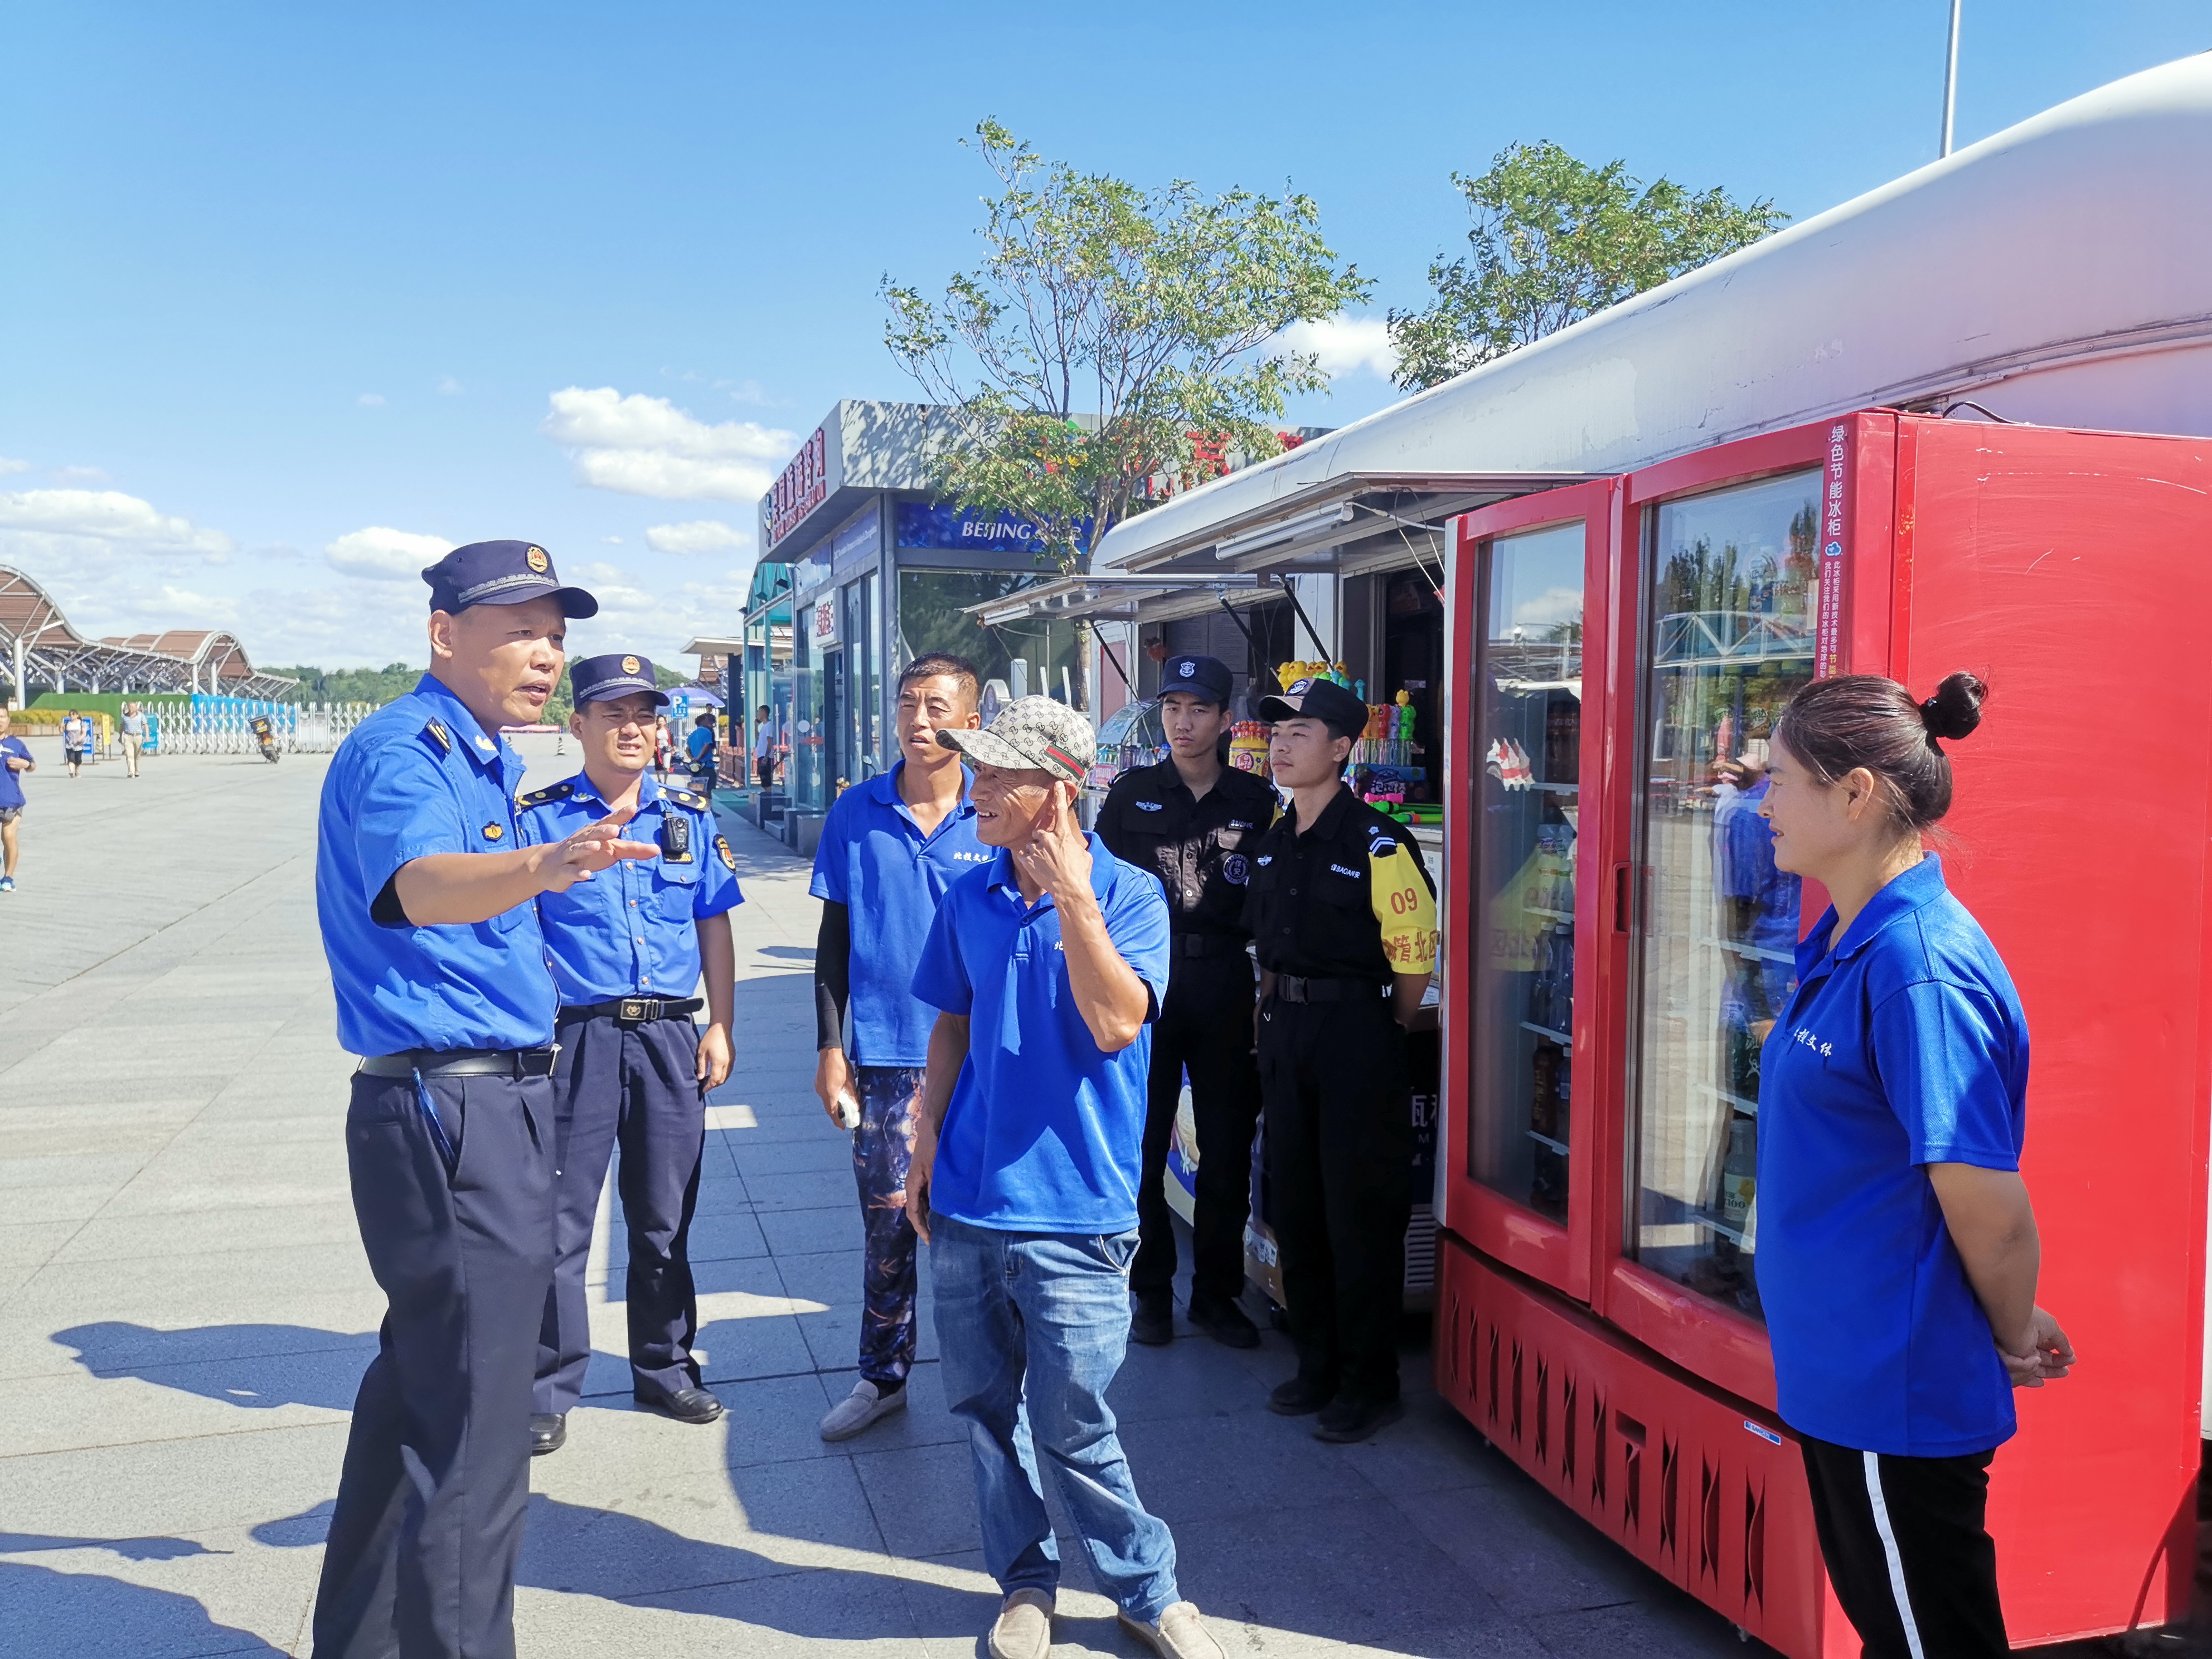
184,1312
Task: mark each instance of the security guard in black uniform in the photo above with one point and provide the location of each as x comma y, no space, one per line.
1192,821
1344,917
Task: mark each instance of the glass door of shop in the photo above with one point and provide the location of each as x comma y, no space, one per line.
1529,586
1727,595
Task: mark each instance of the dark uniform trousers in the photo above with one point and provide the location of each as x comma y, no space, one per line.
1339,1159
1205,1024
636,1084
420,1560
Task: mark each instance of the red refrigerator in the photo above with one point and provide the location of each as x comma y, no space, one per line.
1621,937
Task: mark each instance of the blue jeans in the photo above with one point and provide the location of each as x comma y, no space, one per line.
1031,1329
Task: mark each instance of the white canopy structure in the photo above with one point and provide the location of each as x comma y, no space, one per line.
39,646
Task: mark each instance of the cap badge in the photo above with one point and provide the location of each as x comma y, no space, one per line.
1297,686
1189,668
629,664
536,559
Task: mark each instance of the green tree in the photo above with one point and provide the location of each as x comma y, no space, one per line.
1555,241
1114,343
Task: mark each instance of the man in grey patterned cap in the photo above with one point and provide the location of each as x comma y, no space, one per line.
1047,966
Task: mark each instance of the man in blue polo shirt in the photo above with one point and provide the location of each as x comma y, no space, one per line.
890,848
1046,965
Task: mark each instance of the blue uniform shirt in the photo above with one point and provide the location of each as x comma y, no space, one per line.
416,777
11,782
1903,1047
874,860
628,932
1044,1132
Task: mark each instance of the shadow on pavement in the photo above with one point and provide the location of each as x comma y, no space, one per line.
253,1367
50,1611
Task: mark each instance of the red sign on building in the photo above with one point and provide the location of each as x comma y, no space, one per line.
804,486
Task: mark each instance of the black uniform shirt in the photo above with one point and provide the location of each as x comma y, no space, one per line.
1200,849
1351,899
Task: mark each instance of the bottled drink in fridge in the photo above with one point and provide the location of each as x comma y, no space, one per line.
1738,1171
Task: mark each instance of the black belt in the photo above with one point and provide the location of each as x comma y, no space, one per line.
1292,988
1205,945
635,1011
463,1062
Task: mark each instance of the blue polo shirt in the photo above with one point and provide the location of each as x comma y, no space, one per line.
874,859
11,781
1904,1046
416,777
1044,1132
630,930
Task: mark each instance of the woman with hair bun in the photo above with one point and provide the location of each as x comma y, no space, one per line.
1896,1247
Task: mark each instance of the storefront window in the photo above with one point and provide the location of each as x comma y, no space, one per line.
1033,657
863,656
805,776
1728,637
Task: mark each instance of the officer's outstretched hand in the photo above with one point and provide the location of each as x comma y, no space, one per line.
1057,855
595,846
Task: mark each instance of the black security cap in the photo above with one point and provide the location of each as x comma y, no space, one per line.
501,573
1334,705
1202,677
601,679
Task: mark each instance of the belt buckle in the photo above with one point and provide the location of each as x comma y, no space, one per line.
633,1008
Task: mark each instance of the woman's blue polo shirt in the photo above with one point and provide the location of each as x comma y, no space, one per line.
1044,1132
1905,1045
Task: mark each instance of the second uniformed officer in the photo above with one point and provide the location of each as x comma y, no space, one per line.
1192,822
424,895
1345,922
627,952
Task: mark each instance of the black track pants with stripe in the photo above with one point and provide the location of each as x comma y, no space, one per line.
1906,1549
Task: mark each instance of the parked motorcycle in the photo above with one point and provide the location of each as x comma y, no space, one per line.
265,735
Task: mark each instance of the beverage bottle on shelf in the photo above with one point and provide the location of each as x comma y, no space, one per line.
1563,979
1544,1095
1739,1171
1539,985
1564,1080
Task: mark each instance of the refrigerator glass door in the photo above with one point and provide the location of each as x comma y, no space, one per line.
1528,734
1728,618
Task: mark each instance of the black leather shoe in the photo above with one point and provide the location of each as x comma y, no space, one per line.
1349,1420
1225,1321
685,1405
1300,1397
1151,1321
549,1433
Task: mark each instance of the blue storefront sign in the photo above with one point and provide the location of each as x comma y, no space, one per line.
928,524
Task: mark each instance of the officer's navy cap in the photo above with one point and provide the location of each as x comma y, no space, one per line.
501,573
1202,677
600,680
1335,706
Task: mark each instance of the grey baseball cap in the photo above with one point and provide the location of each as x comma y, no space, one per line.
1031,731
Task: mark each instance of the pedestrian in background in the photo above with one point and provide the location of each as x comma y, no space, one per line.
627,950
699,750
1341,909
425,897
1191,821
764,748
1048,965
76,740
15,763
663,745
1898,1254
134,738
889,849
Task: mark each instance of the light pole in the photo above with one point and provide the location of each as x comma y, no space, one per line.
1950,78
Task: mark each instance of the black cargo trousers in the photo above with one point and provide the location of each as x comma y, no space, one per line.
1206,1025
1340,1164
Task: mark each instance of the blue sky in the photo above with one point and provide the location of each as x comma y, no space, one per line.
291,297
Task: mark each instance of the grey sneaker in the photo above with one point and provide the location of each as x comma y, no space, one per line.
1023,1629
1180,1634
857,1409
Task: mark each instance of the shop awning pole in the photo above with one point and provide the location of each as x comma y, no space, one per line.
1312,632
1107,652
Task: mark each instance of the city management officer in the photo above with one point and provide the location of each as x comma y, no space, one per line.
627,953
425,899
1342,917
1192,821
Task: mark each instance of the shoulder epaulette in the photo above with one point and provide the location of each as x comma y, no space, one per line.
697,803
552,792
435,731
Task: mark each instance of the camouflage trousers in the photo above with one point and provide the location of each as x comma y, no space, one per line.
883,1147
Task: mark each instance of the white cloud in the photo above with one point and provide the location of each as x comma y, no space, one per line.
696,536
383,554
1344,344
612,541
103,515
8,466
79,474
371,400
449,387
641,446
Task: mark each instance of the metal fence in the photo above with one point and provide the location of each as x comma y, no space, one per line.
224,725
